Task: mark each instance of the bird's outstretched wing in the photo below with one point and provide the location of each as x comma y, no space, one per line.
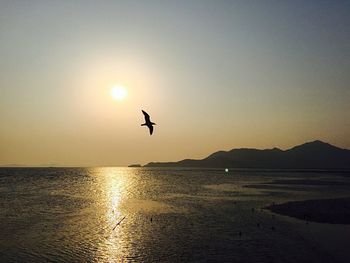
146,116
150,129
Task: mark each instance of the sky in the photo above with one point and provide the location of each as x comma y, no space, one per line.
213,75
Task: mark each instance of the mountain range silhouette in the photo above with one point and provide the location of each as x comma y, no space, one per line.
310,155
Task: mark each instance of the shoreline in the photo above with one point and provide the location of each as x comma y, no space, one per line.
331,235
330,211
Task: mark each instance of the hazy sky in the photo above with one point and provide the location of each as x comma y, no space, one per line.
214,75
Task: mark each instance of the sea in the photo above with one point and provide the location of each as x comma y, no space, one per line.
117,214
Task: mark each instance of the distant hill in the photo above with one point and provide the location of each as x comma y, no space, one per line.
311,155
134,165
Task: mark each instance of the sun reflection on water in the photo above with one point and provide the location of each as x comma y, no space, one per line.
132,194
114,184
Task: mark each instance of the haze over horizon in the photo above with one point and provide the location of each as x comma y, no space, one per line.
213,75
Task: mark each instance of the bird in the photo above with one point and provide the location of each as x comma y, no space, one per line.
148,122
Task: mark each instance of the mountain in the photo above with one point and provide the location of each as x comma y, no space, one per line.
311,155
134,165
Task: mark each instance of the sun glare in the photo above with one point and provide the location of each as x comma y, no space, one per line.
119,93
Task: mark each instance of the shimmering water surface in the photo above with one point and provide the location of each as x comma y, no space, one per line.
171,215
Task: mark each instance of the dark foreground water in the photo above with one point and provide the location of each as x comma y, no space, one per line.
171,215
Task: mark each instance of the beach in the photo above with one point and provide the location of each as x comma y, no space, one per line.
332,211
325,222
111,214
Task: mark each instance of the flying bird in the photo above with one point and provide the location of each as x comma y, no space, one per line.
148,122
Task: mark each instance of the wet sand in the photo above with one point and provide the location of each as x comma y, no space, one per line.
332,211
325,223
76,215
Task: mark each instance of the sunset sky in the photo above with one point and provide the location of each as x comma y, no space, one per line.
213,75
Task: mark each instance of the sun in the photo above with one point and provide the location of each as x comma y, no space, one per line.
119,92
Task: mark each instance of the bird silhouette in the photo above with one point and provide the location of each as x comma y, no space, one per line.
148,122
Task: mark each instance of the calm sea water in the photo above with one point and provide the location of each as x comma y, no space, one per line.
170,215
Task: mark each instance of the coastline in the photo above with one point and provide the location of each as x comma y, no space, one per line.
331,211
331,234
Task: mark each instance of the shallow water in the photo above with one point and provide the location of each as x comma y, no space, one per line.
171,215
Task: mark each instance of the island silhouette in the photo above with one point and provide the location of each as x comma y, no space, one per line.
310,155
